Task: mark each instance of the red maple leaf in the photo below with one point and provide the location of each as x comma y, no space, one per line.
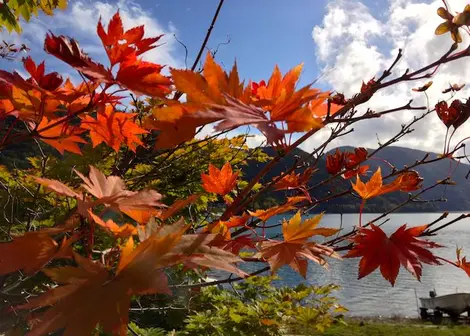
143,77
361,170
294,180
335,162
354,159
51,81
68,50
119,44
113,128
403,247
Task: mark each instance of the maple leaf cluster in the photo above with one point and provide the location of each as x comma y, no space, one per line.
217,96
63,114
135,267
349,161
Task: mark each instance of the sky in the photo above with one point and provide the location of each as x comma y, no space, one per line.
340,42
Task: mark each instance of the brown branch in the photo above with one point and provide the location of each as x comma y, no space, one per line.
432,232
371,115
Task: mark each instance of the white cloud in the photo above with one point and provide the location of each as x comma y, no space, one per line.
355,44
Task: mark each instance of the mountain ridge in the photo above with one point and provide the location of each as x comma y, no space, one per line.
456,196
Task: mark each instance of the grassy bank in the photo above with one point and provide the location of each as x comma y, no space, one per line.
401,328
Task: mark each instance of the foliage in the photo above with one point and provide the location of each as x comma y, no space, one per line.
117,206
12,10
256,307
354,328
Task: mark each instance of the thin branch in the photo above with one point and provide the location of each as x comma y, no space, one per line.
204,43
185,51
219,282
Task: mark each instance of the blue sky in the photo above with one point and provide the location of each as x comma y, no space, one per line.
262,33
343,41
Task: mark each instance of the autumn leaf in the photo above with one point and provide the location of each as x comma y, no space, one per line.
402,247
143,77
119,231
448,114
423,88
295,250
69,93
60,135
87,297
407,181
453,88
235,113
223,227
264,215
361,170
367,86
219,181
462,262
68,50
448,25
172,133
119,44
113,128
294,180
354,159
454,115
334,162
89,294
51,81
235,245
31,252
255,86
57,187
112,192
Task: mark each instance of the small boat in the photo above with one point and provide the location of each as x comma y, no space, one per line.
451,304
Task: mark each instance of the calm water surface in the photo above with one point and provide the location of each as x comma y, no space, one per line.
374,296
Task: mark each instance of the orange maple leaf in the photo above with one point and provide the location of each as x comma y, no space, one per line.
219,181
295,250
264,215
462,262
89,294
119,231
294,180
402,247
113,128
31,252
407,181
223,227
61,135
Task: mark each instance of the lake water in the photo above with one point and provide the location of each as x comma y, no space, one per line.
374,296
